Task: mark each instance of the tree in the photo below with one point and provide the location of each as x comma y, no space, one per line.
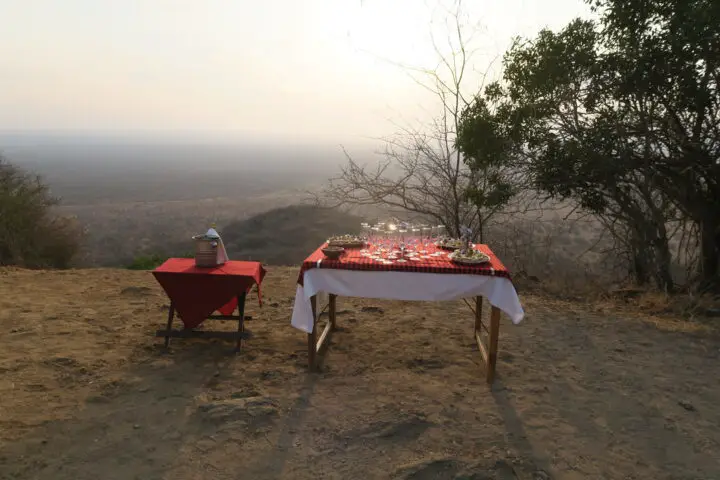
669,52
422,172
30,235
623,119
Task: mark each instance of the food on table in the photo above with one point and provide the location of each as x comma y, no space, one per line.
450,243
332,252
469,257
347,241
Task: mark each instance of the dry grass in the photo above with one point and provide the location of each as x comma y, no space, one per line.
584,391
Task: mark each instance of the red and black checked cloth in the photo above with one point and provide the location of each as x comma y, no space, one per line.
353,260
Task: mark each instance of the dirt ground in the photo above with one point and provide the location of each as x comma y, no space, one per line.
87,392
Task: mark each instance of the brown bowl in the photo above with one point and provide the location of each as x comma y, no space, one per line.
333,253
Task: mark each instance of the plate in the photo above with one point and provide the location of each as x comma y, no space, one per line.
470,262
444,246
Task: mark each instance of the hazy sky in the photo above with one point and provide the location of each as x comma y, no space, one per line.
310,69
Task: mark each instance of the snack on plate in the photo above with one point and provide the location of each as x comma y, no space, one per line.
347,241
448,243
470,257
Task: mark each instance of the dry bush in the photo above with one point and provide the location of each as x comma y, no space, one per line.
31,234
558,256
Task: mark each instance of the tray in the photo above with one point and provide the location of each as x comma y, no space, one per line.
339,243
470,262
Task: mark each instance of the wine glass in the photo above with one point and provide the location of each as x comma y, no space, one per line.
415,237
426,231
364,236
374,236
441,231
402,232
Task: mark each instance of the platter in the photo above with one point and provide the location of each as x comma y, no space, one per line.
471,259
345,241
449,243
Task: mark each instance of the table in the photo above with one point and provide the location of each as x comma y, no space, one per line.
196,292
434,278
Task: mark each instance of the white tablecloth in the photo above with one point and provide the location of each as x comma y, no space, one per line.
499,291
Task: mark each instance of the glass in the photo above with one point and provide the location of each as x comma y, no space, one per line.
374,236
365,230
425,231
415,238
402,233
441,231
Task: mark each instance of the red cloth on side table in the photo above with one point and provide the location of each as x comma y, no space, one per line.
198,292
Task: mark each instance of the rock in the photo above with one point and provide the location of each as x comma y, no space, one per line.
430,468
247,394
687,406
372,310
62,362
274,305
136,291
423,364
136,426
238,409
406,428
205,445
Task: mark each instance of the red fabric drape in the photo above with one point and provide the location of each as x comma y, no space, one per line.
198,292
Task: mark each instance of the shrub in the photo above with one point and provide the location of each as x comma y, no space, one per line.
31,234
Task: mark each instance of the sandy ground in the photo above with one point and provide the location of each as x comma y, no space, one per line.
87,392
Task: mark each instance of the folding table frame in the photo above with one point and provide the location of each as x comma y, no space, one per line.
488,347
169,333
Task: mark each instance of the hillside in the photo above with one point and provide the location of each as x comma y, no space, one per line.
284,236
583,392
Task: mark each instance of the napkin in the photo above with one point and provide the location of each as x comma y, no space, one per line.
222,255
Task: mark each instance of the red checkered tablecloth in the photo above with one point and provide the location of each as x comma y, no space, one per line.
353,259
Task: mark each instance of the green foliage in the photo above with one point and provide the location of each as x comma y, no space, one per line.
486,136
147,262
30,235
621,116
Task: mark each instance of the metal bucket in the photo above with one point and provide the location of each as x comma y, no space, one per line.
206,252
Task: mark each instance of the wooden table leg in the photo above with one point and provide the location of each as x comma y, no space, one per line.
333,310
478,313
312,335
493,347
171,316
241,321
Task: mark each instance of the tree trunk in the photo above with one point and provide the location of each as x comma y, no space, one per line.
640,267
710,253
663,257
663,273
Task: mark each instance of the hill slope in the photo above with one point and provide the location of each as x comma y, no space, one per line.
285,236
87,392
